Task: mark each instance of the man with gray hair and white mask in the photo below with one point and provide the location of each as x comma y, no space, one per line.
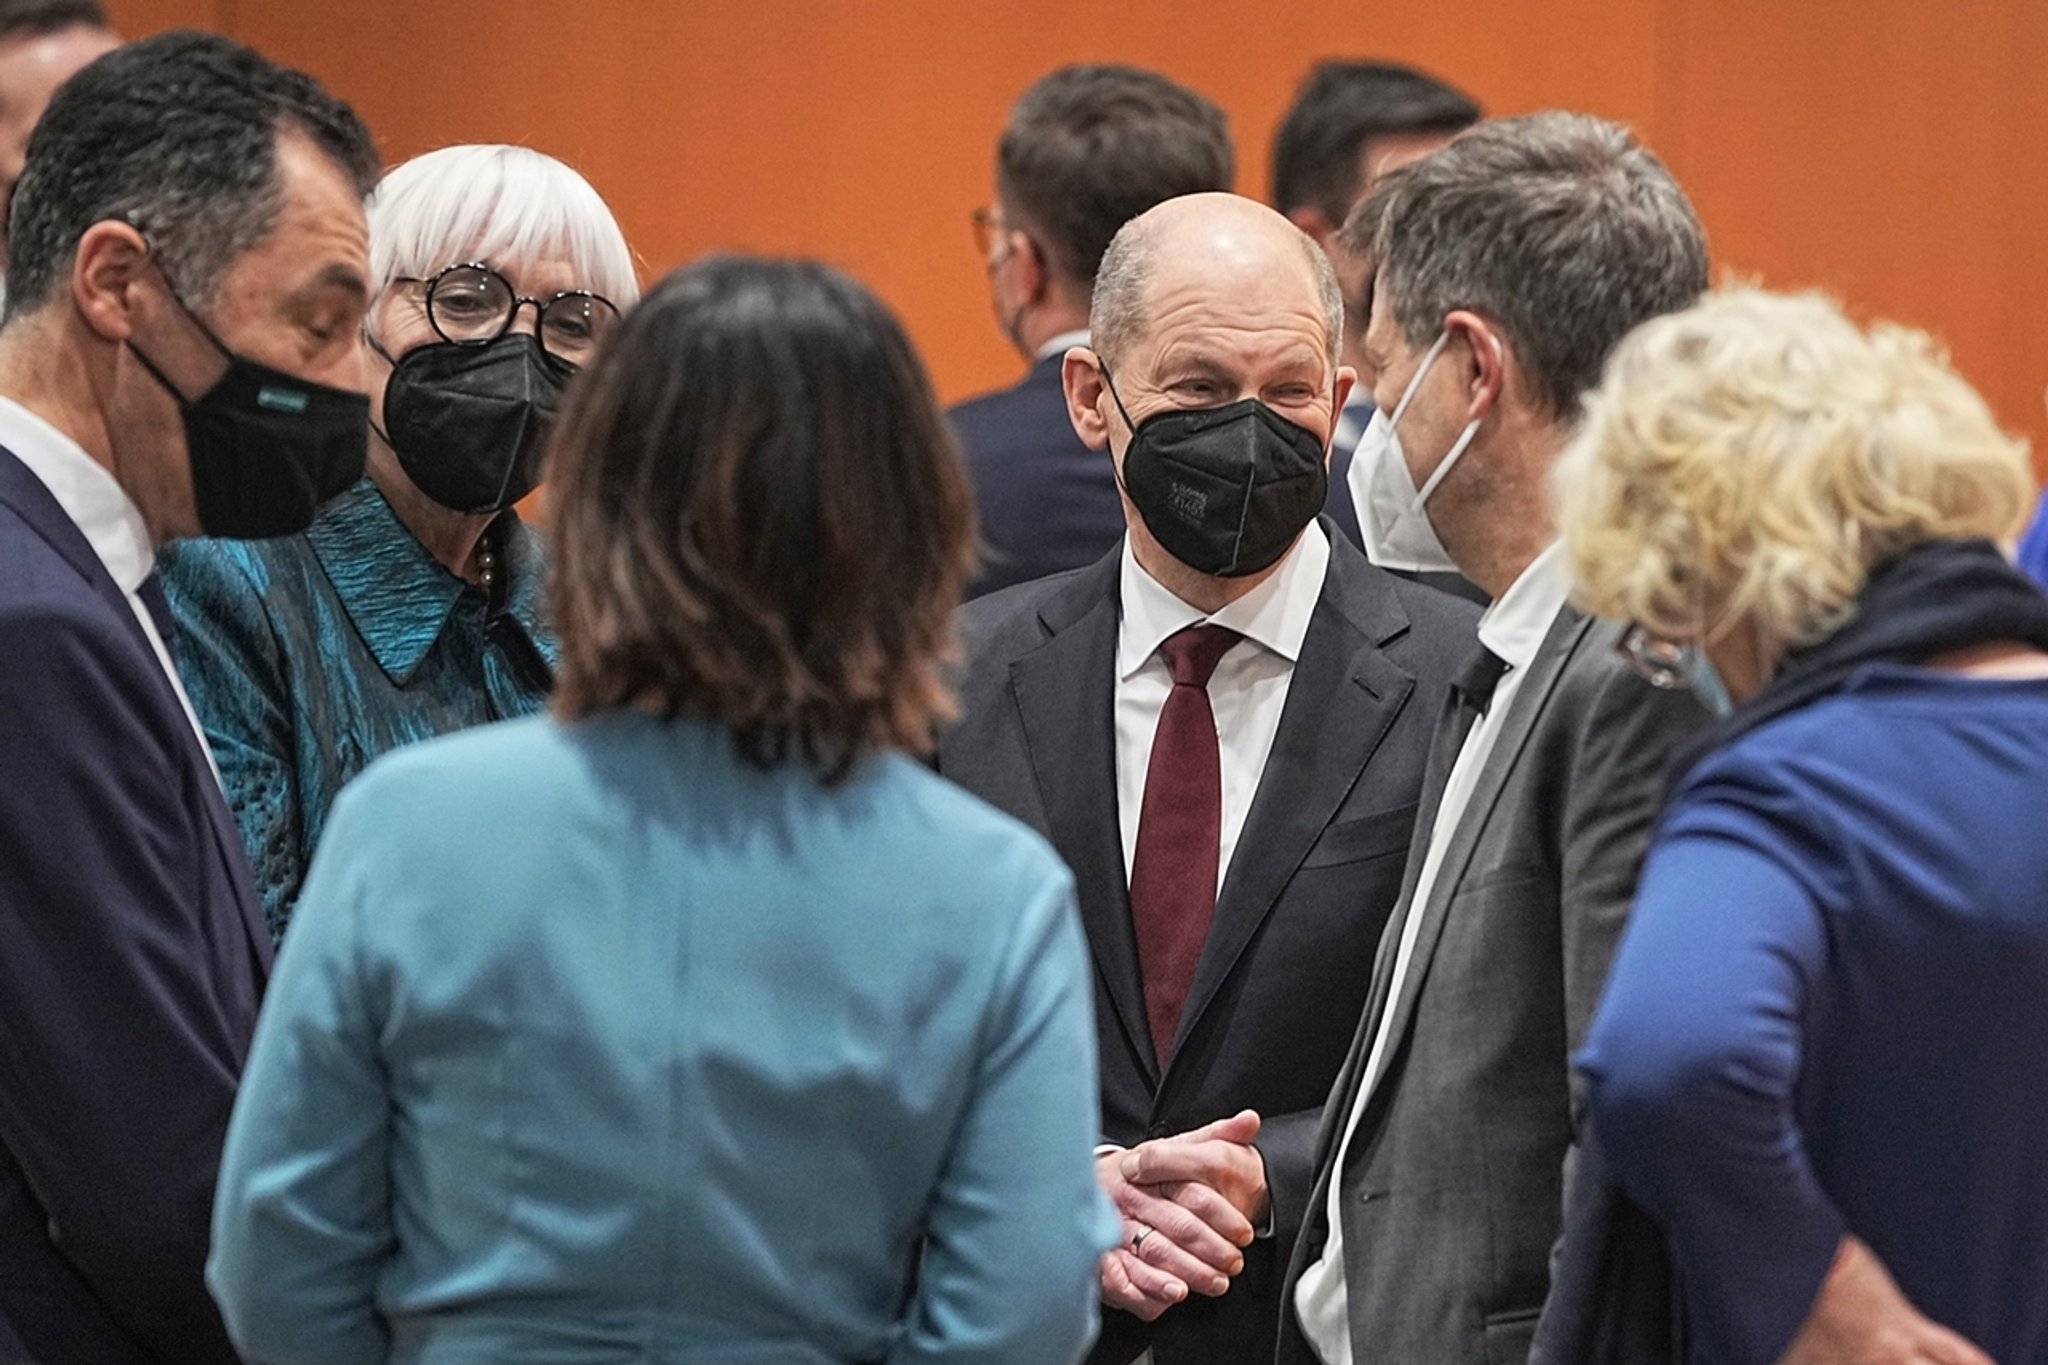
1222,727
1509,265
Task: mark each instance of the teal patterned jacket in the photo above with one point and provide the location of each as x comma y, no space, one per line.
309,656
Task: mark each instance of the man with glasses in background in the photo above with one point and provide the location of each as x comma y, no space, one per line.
1087,149
414,606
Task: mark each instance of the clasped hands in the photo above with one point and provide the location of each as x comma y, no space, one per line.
1190,1204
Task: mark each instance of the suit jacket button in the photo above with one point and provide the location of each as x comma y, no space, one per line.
1159,1130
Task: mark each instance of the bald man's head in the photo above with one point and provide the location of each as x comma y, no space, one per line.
1213,304
1224,245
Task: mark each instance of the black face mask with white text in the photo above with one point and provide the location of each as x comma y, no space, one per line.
267,449
1226,491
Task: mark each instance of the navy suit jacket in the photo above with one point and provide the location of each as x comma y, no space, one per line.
134,958
1047,503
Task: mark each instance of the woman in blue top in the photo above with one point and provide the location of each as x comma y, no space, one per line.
1821,1063
697,1023
412,607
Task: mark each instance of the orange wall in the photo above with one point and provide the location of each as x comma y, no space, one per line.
1894,152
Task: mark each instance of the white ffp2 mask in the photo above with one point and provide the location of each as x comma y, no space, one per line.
1397,531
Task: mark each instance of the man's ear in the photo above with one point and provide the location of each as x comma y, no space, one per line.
1316,224
1081,375
106,269
1034,274
1487,360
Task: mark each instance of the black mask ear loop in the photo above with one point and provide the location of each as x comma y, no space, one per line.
170,288
389,359
1109,383
1115,466
158,375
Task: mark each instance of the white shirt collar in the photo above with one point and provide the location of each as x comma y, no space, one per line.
1514,626
1062,342
87,492
1275,614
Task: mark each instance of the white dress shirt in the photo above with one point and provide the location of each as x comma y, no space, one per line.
1513,628
108,518
1065,341
1247,692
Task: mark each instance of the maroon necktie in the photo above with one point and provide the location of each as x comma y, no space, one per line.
1180,826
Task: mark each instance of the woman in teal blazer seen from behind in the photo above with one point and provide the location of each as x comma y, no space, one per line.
696,1022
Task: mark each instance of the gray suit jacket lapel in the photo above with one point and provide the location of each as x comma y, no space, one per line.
1530,699
1344,1095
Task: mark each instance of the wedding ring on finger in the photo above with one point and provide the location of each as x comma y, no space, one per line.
1138,1238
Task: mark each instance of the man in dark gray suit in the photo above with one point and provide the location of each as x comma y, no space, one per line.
1510,263
1221,726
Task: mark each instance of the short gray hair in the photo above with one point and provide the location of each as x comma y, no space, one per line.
510,206
1117,315
1559,228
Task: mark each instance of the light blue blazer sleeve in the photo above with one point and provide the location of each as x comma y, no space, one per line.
301,1219
1017,1225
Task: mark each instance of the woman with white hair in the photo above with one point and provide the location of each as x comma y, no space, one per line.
1821,1062
414,605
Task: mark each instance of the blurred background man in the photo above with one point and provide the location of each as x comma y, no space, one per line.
42,42
1351,123
1087,149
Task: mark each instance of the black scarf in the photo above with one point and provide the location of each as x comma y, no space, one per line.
1935,598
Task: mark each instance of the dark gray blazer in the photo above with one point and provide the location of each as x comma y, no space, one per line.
1289,954
1465,1140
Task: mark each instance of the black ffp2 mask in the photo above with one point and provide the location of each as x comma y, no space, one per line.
469,423
1223,490
266,448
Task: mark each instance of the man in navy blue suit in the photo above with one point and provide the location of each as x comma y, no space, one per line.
1087,149
187,271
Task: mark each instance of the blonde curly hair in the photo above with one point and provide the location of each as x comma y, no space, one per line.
1753,457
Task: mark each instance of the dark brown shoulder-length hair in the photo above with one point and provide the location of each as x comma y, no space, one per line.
760,519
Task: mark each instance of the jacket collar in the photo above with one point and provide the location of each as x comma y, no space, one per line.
396,594
22,490
90,495
1345,695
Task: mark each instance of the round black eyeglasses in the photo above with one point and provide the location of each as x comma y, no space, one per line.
471,304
